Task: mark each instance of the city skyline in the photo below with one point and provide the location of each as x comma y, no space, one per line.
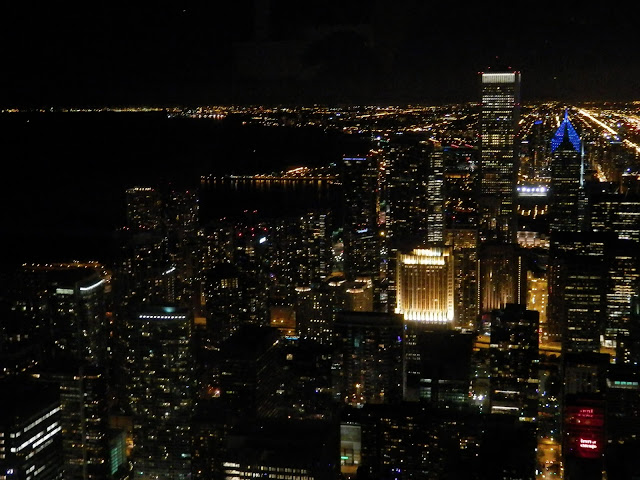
323,292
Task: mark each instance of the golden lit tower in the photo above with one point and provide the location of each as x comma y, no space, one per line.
425,285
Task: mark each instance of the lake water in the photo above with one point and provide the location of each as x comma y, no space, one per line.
66,173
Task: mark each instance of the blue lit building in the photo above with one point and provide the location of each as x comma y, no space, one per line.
567,197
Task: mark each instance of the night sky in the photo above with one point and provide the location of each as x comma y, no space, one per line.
351,52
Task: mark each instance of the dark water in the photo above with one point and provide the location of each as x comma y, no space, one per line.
63,193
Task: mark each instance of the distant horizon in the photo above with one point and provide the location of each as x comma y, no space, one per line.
157,107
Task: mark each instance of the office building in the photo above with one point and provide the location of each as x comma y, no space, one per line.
30,431
623,283
144,208
464,246
583,444
67,302
367,357
83,416
284,449
577,289
160,390
251,374
566,193
500,92
616,212
435,196
438,366
514,362
360,186
501,276
425,285
406,190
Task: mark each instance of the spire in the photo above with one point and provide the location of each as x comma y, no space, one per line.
566,130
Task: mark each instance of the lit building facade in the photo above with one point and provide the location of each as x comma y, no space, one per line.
30,431
425,285
498,167
538,295
464,246
500,276
616,212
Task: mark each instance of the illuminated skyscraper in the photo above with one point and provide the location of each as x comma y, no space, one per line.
498,167
567,200
425,285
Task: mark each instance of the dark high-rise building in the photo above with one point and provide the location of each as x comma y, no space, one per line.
315,311
67,304
367,357
566,193
405,197
623,404
250,376
360,185
144,208
222,299
514,362
498,166
577,289
161,390
181,227
283,449
298,253
30,431
412,440
143,271
443,368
